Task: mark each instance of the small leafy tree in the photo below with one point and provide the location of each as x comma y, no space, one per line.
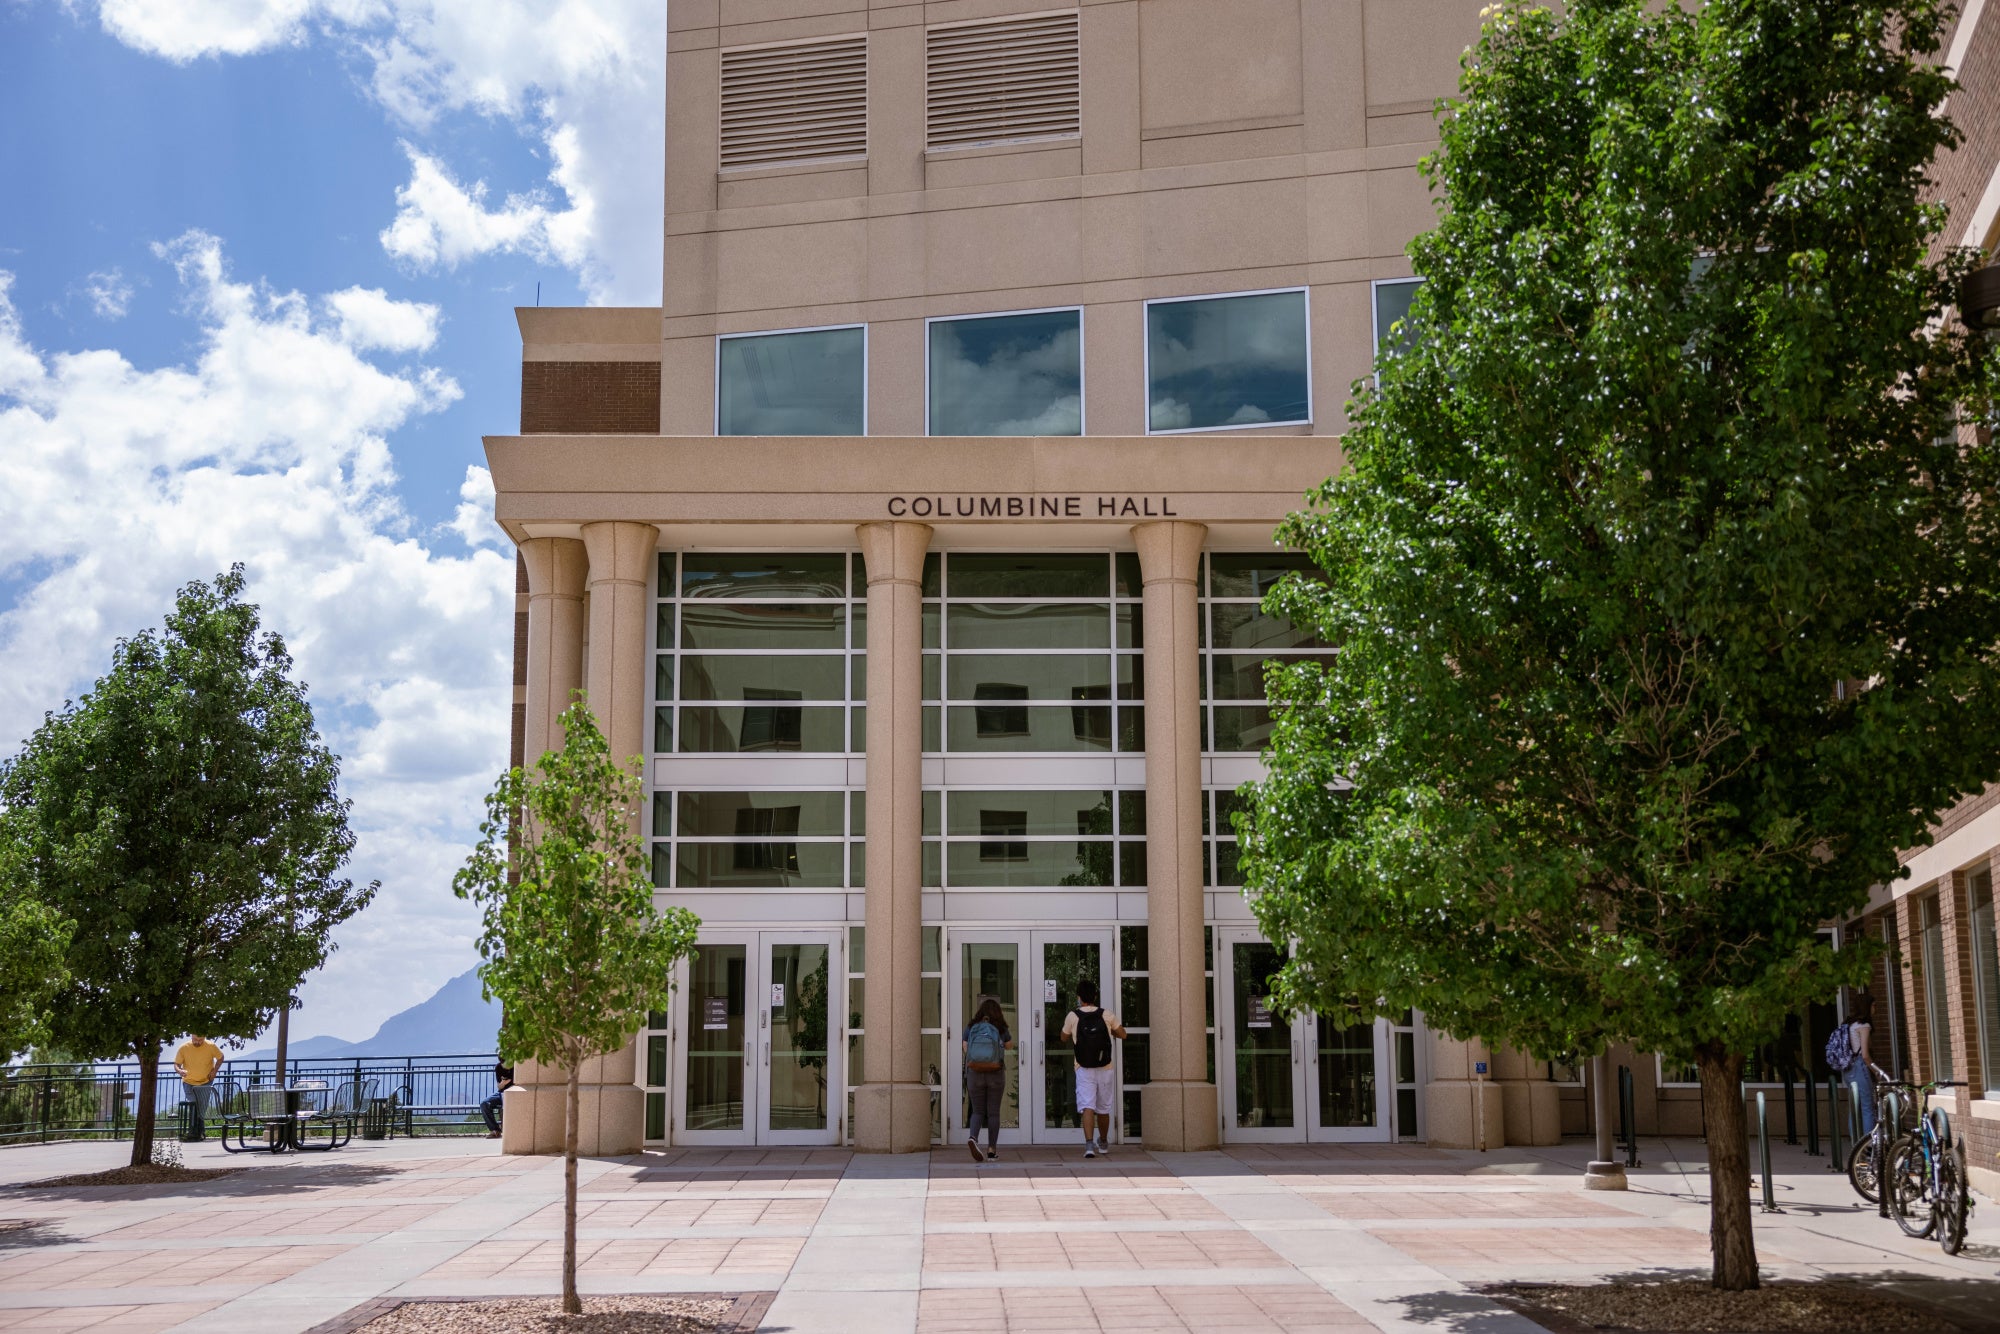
185,814
574,949
1664,576
33,939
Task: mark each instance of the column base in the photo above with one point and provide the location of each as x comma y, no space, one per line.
1179,1117
892,1118
611,1119
1464,1114
1604,1176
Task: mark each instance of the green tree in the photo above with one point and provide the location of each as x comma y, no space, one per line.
1664,570
33,939
574,949
185,814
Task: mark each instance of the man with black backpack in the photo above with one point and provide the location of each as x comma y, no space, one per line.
1089,1031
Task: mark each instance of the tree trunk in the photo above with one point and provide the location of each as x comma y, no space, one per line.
142,1115
1729,1236
571,1303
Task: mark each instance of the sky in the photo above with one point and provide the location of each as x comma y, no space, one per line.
258,260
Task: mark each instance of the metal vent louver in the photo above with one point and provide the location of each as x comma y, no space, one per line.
795,103
1002,79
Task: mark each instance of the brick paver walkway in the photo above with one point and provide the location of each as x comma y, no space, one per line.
1275,1238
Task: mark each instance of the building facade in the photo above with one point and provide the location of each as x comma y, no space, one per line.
915,541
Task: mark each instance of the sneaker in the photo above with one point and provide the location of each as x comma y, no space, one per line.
991,1154
1089,1149
493,1134
972,1147
1103,1149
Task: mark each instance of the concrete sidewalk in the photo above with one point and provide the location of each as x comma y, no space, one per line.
1281,1237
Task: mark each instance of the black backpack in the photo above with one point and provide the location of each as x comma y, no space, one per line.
1093,1040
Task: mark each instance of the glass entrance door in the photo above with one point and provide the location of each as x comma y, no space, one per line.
1033,974
761,1064
1293,1079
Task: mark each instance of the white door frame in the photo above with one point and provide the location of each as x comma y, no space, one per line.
1305,1127
1030,1039
757,1009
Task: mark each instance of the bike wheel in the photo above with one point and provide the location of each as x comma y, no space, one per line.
1953,1202
1908,1182
1863,1172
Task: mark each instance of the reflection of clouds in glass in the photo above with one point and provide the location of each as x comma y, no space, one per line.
1007,375
792,384
1227,361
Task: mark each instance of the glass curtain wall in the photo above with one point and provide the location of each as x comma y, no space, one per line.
758,654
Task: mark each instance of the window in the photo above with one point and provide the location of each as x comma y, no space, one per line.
1937,986
998,720
1016,374
749,840
803,382
1392,307
1213,363
1986,973
1004,834
799,102
1002,80
1240,641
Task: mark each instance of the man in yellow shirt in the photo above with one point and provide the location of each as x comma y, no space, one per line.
198,1060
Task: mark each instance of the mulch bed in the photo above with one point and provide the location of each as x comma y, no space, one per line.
1691,1306
659,1313
146,1174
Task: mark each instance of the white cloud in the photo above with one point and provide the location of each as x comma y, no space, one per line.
270,446
584,79
110,295
473,521
369,319
440,223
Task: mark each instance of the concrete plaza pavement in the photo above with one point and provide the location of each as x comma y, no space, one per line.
1277,1237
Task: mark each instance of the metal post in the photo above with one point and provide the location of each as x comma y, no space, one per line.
1604,1172
1764,1155
1893,1105
45,1106
1812,1119
1791,1110
1836,1161
1628,1099
1624,1076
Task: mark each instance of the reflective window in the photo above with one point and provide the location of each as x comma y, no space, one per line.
1007,374
1227,361
1392,307
809,383
1241,642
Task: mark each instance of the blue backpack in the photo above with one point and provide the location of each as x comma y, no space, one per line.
985,1049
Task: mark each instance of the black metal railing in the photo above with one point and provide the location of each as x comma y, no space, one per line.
435,1095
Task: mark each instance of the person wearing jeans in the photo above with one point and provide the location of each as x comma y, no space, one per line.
1860,1082
489,1110
197,1061
985,1078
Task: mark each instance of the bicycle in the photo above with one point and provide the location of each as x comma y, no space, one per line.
1865,1159
1925,1179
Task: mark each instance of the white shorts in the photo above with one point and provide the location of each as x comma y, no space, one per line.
1096,1088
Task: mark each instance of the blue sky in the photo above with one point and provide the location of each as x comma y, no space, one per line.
258,262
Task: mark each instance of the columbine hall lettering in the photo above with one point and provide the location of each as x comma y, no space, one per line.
1031,507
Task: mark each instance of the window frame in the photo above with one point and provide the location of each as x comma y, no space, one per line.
1146,360
715,414
1375,285
1989,1075
1082,370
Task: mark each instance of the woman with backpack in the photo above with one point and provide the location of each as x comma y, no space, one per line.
986,1044
1847,1054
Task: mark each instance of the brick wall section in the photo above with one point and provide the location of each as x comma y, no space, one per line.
1959,179
590,397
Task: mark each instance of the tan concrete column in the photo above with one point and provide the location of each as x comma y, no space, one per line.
1463,1107
1531,1105
1179,1108
556,568
892,1104
621,559
614,561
